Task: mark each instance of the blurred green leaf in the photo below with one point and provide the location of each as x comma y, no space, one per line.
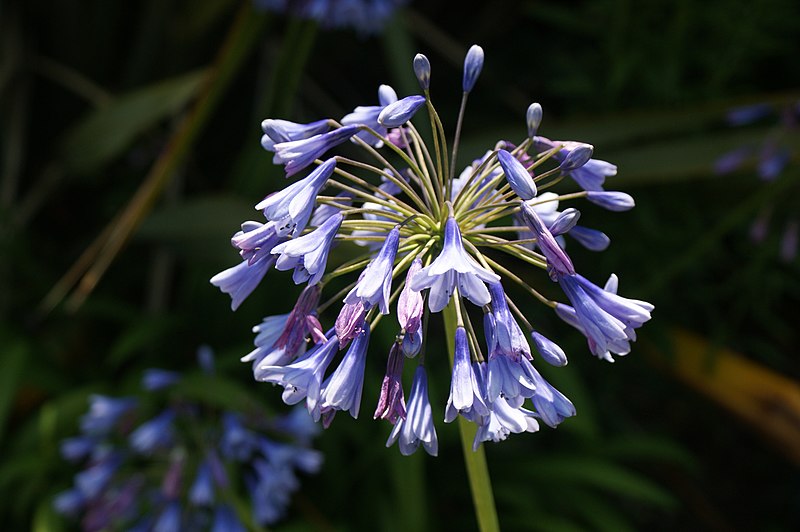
14,357
46,518
201,227
106,133
602,475
140,334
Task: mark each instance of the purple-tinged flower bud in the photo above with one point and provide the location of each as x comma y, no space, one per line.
613,201
375,284
565,221
473,63
391,403
350,321
315,329
285,131
517,176
298,154
534,119
418,426
591,239
549,350
401,111
576,158
158,379
557,259
410,305
422,69
173,479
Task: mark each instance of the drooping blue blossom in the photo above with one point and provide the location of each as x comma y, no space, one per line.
186,452
292,206
417,427
413,228
302,379
466,396
239,281
342,390
308,254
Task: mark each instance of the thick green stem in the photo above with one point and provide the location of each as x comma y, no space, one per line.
477,471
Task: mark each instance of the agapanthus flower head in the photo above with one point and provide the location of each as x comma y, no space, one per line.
170,471
425,239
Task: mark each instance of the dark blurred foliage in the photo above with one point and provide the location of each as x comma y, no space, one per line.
91,92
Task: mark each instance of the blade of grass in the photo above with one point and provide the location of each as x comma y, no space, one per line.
91,266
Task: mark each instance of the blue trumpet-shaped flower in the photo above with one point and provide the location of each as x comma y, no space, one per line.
417,428
453,268
308,254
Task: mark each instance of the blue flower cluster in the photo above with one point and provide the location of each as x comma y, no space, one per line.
429,242
183,468
772,156
366,16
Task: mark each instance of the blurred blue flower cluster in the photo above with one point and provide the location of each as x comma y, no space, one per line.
186,468
772,156
365,16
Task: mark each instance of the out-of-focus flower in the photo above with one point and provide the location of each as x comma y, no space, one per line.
770,157
173,471
365,16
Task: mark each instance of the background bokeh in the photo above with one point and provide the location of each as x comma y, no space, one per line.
145,115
